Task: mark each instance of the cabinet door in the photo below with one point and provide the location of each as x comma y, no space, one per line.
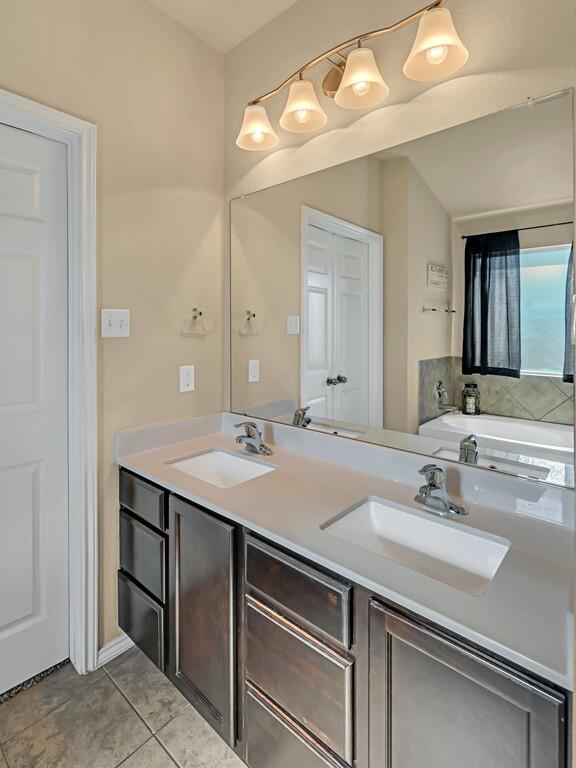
201,659
437,703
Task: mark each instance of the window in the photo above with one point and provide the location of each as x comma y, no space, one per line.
542,287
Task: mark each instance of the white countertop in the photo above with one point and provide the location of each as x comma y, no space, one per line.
525,615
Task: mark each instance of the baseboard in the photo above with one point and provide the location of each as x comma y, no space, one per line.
114,648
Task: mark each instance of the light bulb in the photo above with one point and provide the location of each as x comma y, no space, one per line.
437,54
257,137
361,88
302,115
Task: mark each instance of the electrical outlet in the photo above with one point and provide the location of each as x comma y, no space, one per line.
187,378
115,323
253,371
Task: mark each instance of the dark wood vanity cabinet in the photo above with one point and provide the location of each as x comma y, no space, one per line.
298,671
202,613
439,704
143,574
293,666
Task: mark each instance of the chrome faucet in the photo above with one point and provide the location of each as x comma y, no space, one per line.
252,439
469,450
433,495
441,395
300,418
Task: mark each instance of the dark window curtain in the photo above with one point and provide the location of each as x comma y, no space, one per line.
568,313
492,305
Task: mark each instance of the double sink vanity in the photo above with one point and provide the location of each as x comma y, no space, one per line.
317,614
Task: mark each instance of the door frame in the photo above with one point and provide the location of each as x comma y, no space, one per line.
374,241
79,137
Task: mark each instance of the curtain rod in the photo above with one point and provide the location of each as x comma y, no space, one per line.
521,229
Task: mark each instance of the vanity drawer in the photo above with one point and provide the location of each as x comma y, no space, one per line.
309,680
275,741
319,601
142,618
143,554
143,499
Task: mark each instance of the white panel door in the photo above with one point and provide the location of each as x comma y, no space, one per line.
336,341
351,329
33,405
318,347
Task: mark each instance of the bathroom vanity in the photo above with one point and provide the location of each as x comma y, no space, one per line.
303,649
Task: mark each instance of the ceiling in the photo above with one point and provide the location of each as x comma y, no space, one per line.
518,158
223,23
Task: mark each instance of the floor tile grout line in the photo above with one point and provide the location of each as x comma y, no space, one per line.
4,755
174,760
124,759
35,722
132,707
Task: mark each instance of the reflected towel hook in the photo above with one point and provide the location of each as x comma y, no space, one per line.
248,326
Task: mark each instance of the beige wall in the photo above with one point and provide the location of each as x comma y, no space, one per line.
156,95
417,232
265,268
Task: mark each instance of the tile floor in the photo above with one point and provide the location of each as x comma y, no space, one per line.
126,714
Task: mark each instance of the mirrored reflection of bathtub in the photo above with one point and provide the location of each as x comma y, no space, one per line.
542,440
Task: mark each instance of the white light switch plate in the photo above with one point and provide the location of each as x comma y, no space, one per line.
115,323
187,378
293,325
253,371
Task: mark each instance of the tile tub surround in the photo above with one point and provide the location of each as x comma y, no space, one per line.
126,714
318,476
537,398
430,372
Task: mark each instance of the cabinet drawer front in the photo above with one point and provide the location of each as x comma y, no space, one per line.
143,554
303,676
321,602
141,618
145,500
274,741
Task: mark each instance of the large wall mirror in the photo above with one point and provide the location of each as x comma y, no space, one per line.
421,297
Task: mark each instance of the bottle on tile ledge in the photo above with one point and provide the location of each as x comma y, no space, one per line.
471,399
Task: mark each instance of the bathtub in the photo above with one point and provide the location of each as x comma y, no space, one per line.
553,442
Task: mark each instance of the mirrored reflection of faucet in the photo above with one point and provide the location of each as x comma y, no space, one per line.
300,418
252,439
442,395
434,496
469,450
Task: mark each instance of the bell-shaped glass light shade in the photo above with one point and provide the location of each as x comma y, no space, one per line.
302,113
256,133
362,84
437,51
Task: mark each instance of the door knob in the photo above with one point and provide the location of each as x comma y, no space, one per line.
331,382
341,379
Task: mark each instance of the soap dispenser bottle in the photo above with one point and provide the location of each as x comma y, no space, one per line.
471,399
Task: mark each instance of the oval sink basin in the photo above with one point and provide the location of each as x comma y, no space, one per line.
221,468
446,550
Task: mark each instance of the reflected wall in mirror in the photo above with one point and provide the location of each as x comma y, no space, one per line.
419,296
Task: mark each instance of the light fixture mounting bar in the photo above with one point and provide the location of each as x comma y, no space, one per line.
354,41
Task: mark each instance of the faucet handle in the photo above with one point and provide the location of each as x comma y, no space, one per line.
250,428
434,475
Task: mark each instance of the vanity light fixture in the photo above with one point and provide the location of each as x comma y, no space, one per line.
256,132
362,85
437,51
302,113
354,81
